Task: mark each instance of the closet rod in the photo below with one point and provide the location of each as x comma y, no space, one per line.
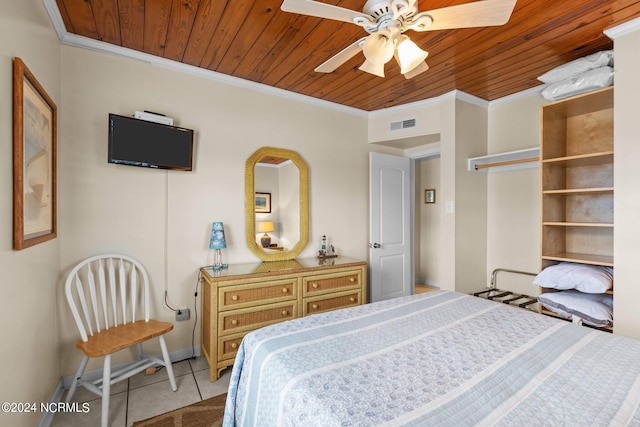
507,162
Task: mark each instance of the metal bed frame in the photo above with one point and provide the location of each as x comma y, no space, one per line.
508,297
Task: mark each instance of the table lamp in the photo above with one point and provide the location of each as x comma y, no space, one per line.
265,227
217,242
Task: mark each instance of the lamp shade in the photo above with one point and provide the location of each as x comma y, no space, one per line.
217,236
409,54
265,226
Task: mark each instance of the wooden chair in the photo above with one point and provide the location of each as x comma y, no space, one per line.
108,290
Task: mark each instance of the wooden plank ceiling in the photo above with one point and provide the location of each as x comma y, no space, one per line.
256,41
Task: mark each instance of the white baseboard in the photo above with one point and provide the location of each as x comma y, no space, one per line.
47,417
65,382
428,282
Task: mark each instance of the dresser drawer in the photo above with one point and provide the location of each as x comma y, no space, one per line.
238,296
331,282
228,345
248,319
333,302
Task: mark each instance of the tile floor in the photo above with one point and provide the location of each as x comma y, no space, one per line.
143,396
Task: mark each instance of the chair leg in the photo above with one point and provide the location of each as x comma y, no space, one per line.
76,379
106,390
140,353
167,362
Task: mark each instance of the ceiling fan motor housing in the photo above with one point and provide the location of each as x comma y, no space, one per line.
400,14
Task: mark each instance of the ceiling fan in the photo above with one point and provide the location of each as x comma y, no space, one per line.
387,20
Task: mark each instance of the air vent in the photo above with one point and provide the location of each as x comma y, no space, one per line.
403,124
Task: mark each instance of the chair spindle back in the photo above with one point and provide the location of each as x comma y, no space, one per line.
98,284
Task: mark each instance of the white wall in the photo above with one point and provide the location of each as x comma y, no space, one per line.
29,360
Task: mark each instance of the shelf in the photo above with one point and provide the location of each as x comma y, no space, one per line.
512,160
578,224
552,314
591,159
603,260
579,192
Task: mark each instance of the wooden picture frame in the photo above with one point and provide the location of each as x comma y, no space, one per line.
34,160
430,196
263,202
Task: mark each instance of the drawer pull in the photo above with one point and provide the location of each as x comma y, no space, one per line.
314,306
234,322
234,345
352,299
285,312
285,290
314,286
352,279
234,298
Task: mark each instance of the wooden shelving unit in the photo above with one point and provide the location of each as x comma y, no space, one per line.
576,160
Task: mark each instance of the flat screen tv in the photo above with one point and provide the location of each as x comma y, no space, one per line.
143,143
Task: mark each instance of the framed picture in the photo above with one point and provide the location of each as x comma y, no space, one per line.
34,160
263,202
430,196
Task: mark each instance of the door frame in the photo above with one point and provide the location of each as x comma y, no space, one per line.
430,153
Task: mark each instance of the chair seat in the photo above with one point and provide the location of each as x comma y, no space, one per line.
122,336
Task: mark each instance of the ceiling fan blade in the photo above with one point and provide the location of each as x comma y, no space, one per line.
341,57
324,10
484,13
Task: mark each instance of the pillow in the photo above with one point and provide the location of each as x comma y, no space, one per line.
591,279
570,69
588,81
592,309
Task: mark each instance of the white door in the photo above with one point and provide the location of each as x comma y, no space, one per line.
390,242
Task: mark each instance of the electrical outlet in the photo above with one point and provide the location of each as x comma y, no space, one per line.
183,314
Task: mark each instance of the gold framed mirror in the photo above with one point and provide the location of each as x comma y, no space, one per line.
277,212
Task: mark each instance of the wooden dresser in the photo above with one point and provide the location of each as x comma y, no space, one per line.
245,297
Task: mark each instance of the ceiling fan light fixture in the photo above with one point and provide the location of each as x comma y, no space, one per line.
379,47
419,69
409,54
374,68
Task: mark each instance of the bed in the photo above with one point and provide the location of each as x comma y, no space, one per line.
440,358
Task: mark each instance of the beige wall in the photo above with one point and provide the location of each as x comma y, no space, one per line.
29,361
427,222
470,207
513,204
164,218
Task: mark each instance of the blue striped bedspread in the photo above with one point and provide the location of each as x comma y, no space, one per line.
435,359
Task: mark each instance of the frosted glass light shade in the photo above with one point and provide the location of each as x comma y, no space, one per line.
373,68
409,54
378,49
419,69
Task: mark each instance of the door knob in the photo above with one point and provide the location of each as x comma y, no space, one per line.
374,245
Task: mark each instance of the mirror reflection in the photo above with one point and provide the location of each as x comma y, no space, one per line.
277,186
276,204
